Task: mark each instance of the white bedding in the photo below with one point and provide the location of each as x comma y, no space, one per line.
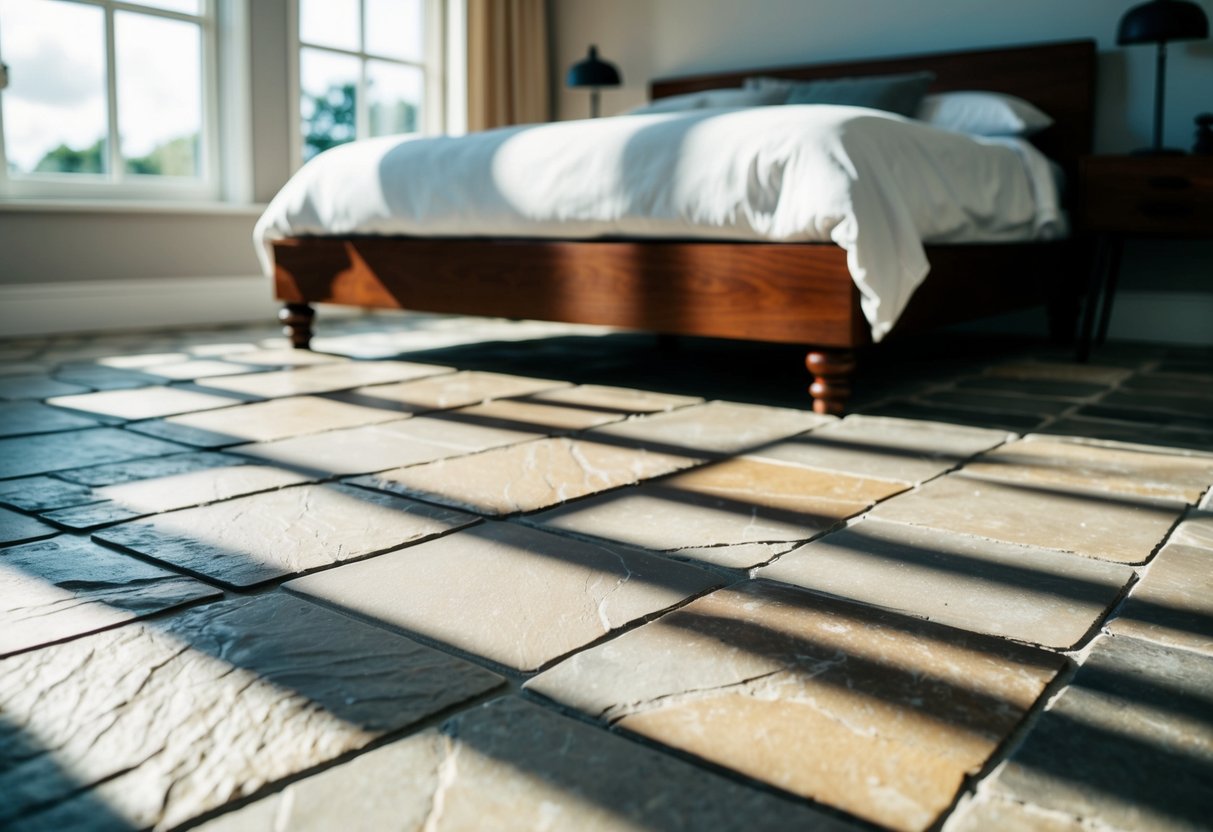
876,184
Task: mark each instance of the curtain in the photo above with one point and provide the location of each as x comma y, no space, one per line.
508,73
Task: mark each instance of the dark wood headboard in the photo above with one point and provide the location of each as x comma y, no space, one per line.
1059,78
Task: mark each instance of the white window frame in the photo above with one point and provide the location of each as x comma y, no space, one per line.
226,120
444,20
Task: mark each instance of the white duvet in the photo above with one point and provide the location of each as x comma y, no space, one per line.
876,184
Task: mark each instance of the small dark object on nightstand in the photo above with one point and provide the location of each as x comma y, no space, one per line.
1204,135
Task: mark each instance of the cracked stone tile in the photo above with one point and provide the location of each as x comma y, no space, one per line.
902,450
536,596
522,414
17,528
449,391
1058,371
1054,463
19,387
708,511
1173,603
43,494
57,589
792,684
322,378
1174,441
526,477
253,539
264,421
614,399
1128,744
1030,594
372,448
208,706
1045,388
527,768
25,418
144,402
986,812
28,455
1114,527
710,429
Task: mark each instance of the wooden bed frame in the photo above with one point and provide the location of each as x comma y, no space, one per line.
792,293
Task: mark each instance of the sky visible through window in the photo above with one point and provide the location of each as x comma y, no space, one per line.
55,108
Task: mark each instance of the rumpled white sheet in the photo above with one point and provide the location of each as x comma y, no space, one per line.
876,184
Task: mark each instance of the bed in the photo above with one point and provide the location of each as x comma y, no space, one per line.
789,292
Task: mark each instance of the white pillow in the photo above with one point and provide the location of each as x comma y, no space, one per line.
982,114
710,99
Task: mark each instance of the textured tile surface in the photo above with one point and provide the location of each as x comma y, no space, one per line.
23,418
42,493
144,403
252,539
1059,371
527,769
16,527
36,387
57,589
27,455
792,684
1113,527
543,417
449,391
613,399
1030,594
536,595
322,378
157,702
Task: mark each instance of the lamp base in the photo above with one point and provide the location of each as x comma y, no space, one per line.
1159,151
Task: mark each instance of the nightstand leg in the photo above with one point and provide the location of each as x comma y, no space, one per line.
1095,285
1111,275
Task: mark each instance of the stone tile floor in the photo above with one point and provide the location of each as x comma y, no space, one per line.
472,574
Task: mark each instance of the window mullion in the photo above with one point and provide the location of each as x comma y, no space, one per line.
362,110
112,146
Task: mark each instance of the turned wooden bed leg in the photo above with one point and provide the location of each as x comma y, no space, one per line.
832,372
297,324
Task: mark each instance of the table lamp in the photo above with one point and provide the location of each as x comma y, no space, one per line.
595,73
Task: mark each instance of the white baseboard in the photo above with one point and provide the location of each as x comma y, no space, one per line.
1163,317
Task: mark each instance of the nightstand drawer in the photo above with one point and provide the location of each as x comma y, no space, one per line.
1148,195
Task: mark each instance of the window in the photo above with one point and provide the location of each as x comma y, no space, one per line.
113,98
368,68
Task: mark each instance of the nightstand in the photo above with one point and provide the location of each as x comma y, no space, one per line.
1130,196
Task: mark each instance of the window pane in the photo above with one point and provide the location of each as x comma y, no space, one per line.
186,6
329,23
159,94
54,107
329,85
396,29
394,96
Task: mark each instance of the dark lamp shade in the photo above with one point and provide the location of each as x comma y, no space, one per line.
593,72
1163,20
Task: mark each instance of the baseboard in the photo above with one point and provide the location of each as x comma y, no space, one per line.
1163,317
106,305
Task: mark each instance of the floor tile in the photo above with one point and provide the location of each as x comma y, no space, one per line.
1059,371
1054,463
1113,527
1151,419
103,378
1029,594
1171,384
19,387
195,369
526,477
1128,744
279,684
712,428
249,540
264,421
1041,387
1184,405
1179,440
144,403
322,378
989,812
141,360
448,391
57,589
991,420
43,494
285,357
17,528
57,452
793,683
613,399
526,768
27,418
519,414
720,511
902,450
976,400
537,596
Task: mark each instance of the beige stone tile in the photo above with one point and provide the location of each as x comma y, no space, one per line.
712,428
1110,527
902,450
526,477
195,369
139,361
535,596
144,402
1067,465
533,416
1060,371
285,357
1195,530
988,812
1030,594
449,391
792,685
153,725
527,769
265,421
322,378
253,539
717,507
614,399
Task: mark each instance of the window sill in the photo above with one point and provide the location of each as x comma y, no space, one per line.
132,206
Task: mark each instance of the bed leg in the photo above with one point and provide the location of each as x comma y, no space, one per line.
297,324
832,372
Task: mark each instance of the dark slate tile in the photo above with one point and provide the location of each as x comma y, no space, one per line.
20,387
25,418
17,528
1038,387
43,494
994,403
27,455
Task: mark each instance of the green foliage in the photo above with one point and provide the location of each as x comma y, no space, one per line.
176,157
64,159
329,119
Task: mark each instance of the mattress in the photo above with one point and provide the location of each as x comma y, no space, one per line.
877,184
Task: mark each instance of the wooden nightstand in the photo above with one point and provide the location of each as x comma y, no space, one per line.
1120,196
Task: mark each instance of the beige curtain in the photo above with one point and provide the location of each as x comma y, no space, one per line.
508,81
